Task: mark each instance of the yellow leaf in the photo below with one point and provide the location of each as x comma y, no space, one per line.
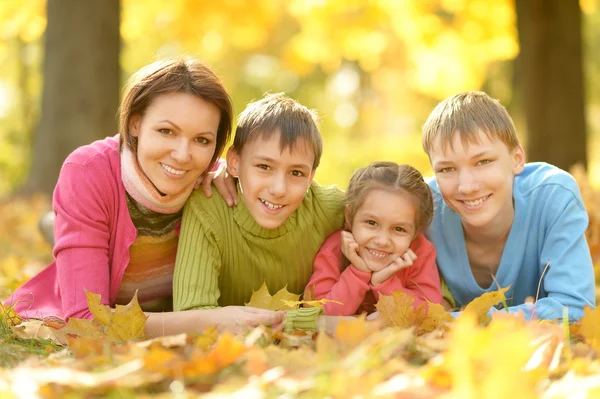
481,306
9,316
262,299
312,303
128,322
589,327
489,362
84,328
397,310
436,317
102,313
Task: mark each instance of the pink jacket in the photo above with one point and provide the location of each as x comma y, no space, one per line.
352,287
93,233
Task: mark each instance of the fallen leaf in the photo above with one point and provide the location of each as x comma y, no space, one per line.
37,329
352,332
128,322
84,328
9,315
397,310
263,299
125,323
313,303
102,313
226,351
481,306
488,362
436,317
589,329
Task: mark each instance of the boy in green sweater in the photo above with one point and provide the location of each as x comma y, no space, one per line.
280,222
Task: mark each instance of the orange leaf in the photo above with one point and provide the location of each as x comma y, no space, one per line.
352,332
226,351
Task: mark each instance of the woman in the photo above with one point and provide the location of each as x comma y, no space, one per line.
118,203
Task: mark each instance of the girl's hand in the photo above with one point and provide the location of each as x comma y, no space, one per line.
239,319
223,181
350,250
401,262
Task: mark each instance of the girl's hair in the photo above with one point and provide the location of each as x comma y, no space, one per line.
391,177
187,75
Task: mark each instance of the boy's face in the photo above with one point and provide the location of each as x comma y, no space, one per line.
273,182
477,181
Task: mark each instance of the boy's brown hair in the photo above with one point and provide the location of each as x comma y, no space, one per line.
174,75
468,113
277,113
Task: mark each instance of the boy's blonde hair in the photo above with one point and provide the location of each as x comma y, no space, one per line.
466,114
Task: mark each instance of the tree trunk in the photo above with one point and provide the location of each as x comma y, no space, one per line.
81,84
550,69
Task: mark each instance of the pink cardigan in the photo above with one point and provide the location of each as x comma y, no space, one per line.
352,287
93,233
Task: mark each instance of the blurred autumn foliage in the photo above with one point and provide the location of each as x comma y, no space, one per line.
372,69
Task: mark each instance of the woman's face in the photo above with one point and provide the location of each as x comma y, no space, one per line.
176,140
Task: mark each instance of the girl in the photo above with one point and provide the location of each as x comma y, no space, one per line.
382,249
118,203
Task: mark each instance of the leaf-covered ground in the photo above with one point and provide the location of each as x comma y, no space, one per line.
423,353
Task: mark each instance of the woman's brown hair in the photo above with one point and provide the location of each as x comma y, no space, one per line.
190,76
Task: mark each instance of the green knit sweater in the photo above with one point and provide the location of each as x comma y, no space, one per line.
224,255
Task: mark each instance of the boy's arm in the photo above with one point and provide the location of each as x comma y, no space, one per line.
348,287
424,280
569,280
196,276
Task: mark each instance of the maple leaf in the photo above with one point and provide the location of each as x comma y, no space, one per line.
312,303
262,299
589,327
435,318
481,306
126,322
397,310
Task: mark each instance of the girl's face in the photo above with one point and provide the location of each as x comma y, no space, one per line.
177,136
383,226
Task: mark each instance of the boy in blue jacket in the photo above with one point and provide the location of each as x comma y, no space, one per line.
503,221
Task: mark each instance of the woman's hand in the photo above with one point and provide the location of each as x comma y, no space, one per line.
401,262
238,319
223,181
350,250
